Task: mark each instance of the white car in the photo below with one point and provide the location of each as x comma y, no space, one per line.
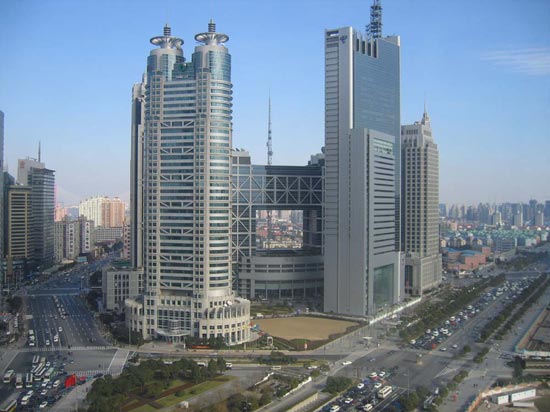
348,401
47,342
373,375
377,385
347,362
44,392
60,329
382,374
43,404
360,385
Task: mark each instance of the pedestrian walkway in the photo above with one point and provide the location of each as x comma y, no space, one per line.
119,360
64,348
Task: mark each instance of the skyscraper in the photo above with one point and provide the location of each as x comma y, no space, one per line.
420,217
181,152
362,163
33,173
2,203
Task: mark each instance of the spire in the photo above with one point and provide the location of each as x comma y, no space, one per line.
269,142
374,28
39,150
425,117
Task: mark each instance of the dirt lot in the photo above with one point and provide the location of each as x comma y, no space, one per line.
303,327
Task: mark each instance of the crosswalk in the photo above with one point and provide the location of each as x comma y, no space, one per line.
445,371
65,348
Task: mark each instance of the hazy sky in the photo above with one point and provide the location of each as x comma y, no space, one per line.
67,68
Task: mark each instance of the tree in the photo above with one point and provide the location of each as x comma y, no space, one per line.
266,398
466,349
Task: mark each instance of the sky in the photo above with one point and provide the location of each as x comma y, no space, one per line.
483,67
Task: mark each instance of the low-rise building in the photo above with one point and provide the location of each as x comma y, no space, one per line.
120,282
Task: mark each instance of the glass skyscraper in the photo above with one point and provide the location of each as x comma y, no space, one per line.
181,202
362,169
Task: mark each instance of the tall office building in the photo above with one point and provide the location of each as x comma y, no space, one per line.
19,229
42,184
2,205
518,219
362,163
185,168
420,217
33,173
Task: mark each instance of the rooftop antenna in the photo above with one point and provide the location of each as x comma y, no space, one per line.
374,28
39,150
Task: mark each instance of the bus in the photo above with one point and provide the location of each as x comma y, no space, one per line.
28,381
35,360
10,404
43,360
19,381
384,392
39,374
49,374
8,376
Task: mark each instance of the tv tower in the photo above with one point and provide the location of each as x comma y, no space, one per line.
269,141
269,163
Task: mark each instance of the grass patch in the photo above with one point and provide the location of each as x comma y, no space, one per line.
144,408
176,382
543,404
193,391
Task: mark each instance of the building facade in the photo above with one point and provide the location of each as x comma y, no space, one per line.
420,212
276,274
104,211
73,238
362,163
120,282
186,202
18,234
2,206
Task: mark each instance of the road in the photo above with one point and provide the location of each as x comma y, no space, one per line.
54,308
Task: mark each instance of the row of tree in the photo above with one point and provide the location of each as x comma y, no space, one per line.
432,313
492,326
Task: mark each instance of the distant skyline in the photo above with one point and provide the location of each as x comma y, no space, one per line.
483,67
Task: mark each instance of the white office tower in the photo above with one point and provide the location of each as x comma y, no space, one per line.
362,135
420,197
186,121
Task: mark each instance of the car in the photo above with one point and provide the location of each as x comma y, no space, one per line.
60,329
377,385
360,385
48,364
47,342
382,374
443,349
455,346
347,362
368,407
347,401
56,383
43,404
373,375
44,392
